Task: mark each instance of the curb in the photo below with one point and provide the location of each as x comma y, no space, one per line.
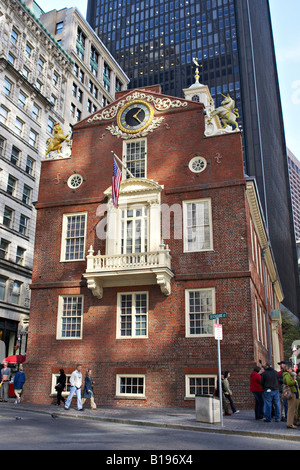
133,422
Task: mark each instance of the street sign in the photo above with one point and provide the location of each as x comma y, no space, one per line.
218,332
214,316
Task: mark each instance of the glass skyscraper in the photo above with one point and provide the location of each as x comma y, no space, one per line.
155,41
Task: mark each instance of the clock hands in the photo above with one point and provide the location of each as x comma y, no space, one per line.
135,116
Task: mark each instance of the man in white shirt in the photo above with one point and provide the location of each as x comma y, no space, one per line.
76,382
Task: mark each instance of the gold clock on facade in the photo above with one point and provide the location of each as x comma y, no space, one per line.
135,116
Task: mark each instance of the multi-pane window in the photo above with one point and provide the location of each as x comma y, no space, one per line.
200,385
29,166
28,51
2,287
41,64
19,126
11,185
55,79
15,155
131,386
22,99
23,225
33,137
199,304
80,44
134,230
8,217
20,255
26,194
74,228
7,87
70,316
94,61
3,114
4,248
36,110
14,36
16,292
106,77
197,225
132,315
59,27
2,144
135,154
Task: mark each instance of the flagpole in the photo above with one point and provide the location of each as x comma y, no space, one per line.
123,164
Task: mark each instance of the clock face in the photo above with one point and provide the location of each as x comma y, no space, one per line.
135,116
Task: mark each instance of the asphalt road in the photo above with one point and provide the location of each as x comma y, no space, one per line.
23,430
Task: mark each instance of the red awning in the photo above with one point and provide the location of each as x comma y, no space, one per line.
15,359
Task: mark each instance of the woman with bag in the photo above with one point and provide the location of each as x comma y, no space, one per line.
88,389
290,381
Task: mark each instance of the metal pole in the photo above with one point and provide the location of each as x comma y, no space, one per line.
220,381
123,164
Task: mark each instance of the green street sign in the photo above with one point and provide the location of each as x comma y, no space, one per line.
217,315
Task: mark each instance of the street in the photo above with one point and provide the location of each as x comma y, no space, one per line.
25,430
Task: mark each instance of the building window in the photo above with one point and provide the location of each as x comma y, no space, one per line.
134,230
2,144
200,385
22,99
19,127
54,383
3,288
4,249
59,27
36,110
130,385
28,51
15,155
16,292
33,137
41,64
80,44
106,77
11,185
3,114
132,315
70,317
197,222
25,72
29,166
8,217
8,86
199,304
55,79
14,36
50,126
135,157
94,61
23,225
26,194
11,58
20,256
73,237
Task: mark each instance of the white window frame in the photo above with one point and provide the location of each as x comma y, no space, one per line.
54,378
186,248
133,315
139,225
187,312
130,395
188,377
60,317
133,141
64,236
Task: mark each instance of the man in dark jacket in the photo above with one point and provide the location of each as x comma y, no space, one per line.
270,385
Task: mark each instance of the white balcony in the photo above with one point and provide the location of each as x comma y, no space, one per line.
131,269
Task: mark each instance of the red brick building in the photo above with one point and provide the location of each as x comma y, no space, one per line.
128,291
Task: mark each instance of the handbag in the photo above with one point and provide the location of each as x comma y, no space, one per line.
286,392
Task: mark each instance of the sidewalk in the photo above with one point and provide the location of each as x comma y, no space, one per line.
242,423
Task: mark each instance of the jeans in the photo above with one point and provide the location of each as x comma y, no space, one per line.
272,397
69,399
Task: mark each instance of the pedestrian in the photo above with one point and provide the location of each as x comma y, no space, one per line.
60,386
76,382
88,391
228,392
5,376
270,384
257,392
224,401
289,378
283,401
19,381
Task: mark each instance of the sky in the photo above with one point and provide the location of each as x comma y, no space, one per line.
285,21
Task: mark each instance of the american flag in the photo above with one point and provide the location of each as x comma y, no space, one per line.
116,181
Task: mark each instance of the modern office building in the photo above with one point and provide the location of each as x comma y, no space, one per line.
155,43
294,172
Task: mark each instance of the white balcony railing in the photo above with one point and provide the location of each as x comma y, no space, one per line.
152,267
